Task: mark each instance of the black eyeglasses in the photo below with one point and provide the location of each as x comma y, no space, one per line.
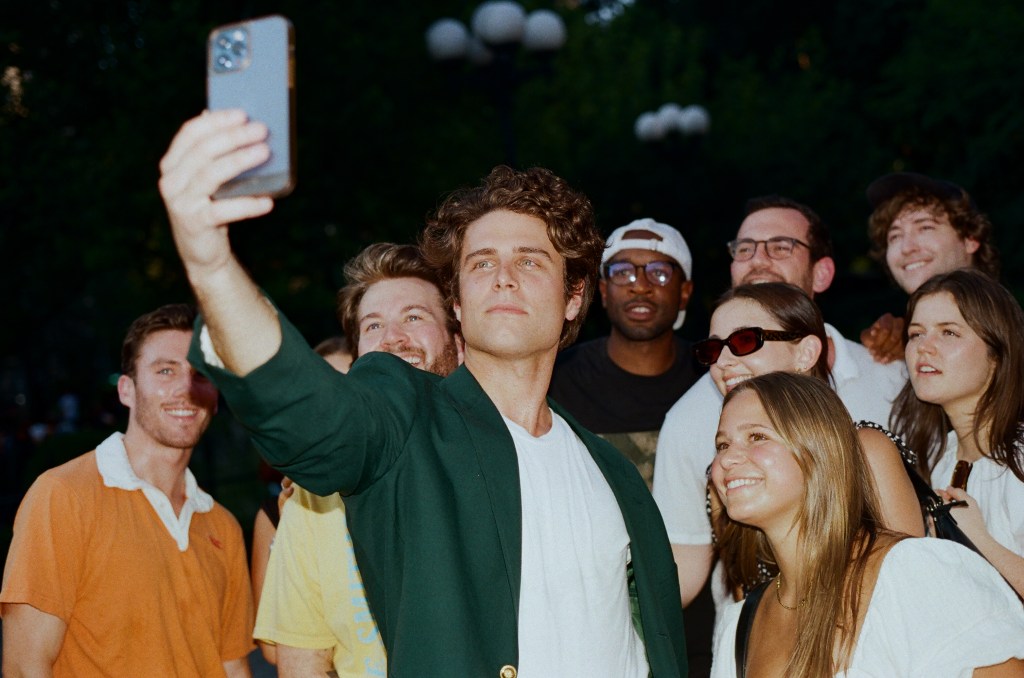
626,272
779,247
741,342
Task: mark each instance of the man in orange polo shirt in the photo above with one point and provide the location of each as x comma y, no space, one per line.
120,564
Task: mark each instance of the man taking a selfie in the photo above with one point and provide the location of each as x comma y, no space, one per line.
495,536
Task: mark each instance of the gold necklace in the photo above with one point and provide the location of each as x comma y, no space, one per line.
778,596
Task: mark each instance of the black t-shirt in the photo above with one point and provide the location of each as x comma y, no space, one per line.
625,409
607,399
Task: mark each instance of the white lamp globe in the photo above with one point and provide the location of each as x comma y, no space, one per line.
447,39
499,22
544,31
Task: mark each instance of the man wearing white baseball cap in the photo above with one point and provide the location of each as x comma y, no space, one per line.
621,386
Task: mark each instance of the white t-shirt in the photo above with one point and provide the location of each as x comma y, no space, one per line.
938,610
574,613
999,493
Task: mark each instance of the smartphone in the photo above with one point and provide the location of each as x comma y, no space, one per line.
251,65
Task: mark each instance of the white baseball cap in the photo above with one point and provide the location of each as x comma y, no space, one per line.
667,240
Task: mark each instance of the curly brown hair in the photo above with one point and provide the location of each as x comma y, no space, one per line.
535,192
383,261
961,211
167,317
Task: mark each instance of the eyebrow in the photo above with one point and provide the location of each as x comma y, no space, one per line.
942,323
164,361
522,249
924,218
744,427
404,309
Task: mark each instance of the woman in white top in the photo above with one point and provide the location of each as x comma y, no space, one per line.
965,401
769,327
850,598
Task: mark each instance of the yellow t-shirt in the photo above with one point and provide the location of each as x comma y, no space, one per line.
313,596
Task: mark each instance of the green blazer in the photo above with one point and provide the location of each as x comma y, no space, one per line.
430,478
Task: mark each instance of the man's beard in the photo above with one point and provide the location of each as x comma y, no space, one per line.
443,365
446,362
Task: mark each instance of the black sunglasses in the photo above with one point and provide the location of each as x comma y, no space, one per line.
741,342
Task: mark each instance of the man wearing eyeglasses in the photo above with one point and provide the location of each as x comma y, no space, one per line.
780,240
645,286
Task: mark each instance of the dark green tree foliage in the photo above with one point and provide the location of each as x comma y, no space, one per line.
811,101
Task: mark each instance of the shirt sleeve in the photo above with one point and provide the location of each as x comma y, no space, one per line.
326,431
45,560
291,610
941,610
686,447
724,642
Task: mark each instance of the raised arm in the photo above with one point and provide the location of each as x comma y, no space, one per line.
207,151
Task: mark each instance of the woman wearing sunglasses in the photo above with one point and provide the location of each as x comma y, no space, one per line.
775,327
850,598
965,403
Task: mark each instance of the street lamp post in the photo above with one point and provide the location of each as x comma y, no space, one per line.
498,30
657,125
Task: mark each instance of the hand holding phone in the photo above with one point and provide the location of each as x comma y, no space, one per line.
251,65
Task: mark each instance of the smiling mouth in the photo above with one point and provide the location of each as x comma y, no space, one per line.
732,382
414,358
915,265
741,482
762,277
182,412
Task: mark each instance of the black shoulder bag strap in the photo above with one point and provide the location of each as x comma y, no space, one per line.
944,524
744,625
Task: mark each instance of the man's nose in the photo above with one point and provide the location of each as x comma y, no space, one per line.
506,275
761,254
640,282
908,243
394,334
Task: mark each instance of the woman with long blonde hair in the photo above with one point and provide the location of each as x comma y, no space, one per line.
770,327
850,597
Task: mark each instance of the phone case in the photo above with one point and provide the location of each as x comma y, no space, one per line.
251,65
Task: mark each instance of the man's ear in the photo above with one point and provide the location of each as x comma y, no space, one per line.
971,245
458,311
602,288
575,302
460,347
822,273
126,391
